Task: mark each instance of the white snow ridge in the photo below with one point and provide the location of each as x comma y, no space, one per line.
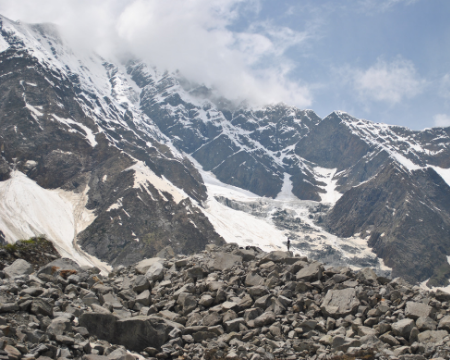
28,210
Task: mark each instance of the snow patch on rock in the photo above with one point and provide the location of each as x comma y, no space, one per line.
286,190
443,173
3,44
326,176
144,175
28,210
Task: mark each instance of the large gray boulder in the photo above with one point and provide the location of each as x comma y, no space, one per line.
367,275
224,261
134,333
279,257
18,268
155,272
166,253
247,255
258,291
140,332
265,319
58,265
431,336
403,327
187,301
416,310
142,266
41,307
311,272
444,323
339,303
253,279
426,323
99,324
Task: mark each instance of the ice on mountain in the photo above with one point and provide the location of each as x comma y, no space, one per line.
28,210
326,175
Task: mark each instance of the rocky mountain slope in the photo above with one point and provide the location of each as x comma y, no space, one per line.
97,170
127,160
262,150
223,303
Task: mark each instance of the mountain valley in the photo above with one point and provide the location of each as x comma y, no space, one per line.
115,161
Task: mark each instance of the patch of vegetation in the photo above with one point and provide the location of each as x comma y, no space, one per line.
25,244
36,250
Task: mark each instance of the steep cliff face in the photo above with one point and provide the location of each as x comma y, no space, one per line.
405,218
253,149
134,159
250,149
70,123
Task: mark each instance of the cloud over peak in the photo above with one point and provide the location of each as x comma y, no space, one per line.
389,82
194,37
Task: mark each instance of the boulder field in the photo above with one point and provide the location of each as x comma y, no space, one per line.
223,303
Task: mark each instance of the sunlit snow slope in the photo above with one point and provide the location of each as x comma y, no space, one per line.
139,141
28,210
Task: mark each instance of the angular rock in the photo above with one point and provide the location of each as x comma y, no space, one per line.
253,279
233,325
415,310
135,333
155,272
389,339
367,276
247,255
403,328
311,272
431,336
444,323
188,302
142,266
41,307
144,298
140,283
258,291
339,303
18,268
206,300
212,319
265,319
279,257
224,261
55,267
426,323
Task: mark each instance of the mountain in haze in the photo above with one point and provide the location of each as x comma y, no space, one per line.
114,161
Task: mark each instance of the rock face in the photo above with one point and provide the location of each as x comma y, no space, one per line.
135,334
117,150
131,193
340,303
397,221
80,314
18,268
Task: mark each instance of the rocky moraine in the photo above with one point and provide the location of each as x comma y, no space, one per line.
223,303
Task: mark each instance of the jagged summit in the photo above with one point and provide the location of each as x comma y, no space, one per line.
138,159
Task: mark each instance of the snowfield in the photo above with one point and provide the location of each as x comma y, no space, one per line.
28,210
246,229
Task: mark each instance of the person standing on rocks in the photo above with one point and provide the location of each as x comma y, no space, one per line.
288,244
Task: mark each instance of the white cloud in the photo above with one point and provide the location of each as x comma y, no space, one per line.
194,37
441,120
387,82
444,88
382,5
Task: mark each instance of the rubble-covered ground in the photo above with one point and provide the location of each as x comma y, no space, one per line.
223,303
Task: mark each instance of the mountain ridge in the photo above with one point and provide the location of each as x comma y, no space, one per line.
141,143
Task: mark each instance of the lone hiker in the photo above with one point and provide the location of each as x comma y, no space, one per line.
288,244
